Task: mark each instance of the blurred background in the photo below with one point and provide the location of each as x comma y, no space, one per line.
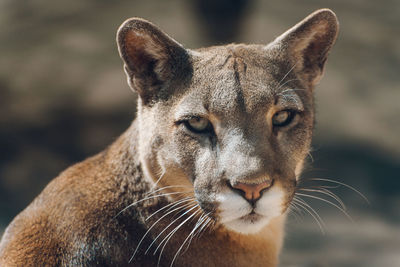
63,97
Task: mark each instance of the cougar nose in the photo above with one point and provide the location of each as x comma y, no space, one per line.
252,192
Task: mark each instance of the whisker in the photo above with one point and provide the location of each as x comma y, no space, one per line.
158,236
328,186
204,227
186,239
328,193
171,234
200,224
173,205
147,198
212,224
336,197
310,155
158,180
204,218
287,73
301,203
166,187
345,185
151,227
291,89
314,215
293,209
329,202
280,86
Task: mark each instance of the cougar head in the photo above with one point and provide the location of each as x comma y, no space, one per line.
231,124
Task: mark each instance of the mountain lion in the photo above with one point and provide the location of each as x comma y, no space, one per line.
206,172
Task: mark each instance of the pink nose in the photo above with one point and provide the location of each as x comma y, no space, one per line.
253,192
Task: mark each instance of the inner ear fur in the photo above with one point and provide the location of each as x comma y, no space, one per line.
307,44
152,58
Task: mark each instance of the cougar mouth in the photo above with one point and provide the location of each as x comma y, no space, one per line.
239,215
252,217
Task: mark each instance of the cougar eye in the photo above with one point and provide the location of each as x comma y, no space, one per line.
198,125
282,118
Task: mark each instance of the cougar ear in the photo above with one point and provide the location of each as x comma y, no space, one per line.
152,58
308,43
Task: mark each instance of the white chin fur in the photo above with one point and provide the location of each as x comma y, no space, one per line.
247,226
235,210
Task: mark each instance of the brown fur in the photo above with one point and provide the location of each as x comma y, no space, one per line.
84,217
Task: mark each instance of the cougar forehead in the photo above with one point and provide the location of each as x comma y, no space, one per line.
234,77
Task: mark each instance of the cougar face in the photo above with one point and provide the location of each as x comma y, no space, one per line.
230,125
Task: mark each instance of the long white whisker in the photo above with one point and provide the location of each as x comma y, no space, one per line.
286,83
158,236
151,227
287,73
147,198
208,227
198,224
311,157
166,187
314,215
170,236
186,239
301,203
202,219
327,186
326,192
292,89
204,227
345,185
329,202
158,180
294,210
334,196
173,205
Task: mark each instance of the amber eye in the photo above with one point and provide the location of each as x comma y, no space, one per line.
282,118
198,125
